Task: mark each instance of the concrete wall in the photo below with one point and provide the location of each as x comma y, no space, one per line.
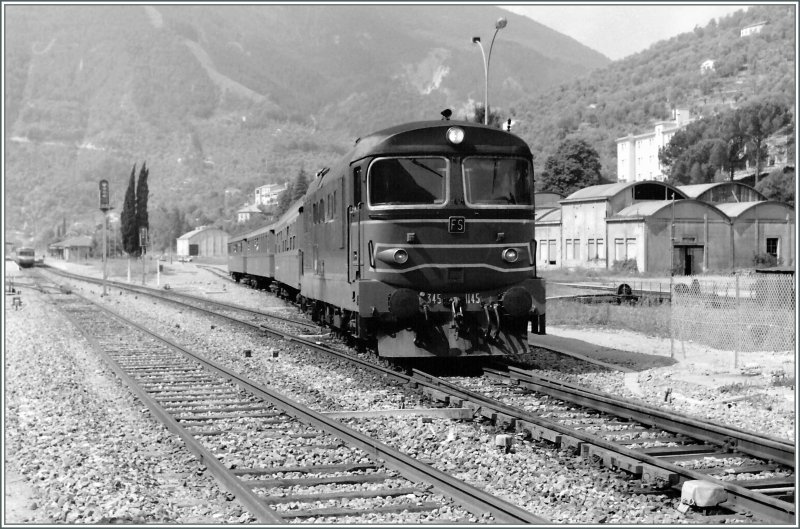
581,222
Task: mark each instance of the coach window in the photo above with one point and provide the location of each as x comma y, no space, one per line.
415,181
498,182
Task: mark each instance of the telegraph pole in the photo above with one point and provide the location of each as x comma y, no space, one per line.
104,207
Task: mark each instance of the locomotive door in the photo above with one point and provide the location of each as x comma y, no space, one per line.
353,246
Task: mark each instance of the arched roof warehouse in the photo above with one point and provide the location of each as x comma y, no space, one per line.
648,190
723,192
669,209
764,210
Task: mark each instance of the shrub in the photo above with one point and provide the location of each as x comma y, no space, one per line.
628,265
765,259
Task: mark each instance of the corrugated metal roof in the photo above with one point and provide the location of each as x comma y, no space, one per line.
198,230
643,209
735,209
73,242
599,191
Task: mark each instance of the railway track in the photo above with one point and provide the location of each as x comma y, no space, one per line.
663,449
217,308
244,434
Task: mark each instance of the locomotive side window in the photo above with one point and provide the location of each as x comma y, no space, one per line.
408,181
498,182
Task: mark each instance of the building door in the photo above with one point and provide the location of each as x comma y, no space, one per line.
194,249
688,259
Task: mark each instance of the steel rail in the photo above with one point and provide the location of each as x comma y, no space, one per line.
168,295
779,450
471,498
739,499
225,476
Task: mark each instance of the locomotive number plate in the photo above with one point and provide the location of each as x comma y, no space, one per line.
457,225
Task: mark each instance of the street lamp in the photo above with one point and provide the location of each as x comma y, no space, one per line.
500,24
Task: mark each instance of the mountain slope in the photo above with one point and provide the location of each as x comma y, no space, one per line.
217,99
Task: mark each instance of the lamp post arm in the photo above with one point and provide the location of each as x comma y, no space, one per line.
488,60
485,80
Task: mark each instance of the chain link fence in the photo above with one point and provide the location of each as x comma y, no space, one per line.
754,312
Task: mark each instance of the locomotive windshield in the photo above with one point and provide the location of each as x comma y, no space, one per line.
498,181
408,181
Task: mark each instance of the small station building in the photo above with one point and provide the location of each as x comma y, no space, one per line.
203,241
73,249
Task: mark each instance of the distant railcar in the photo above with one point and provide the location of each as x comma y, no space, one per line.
25,257
420,241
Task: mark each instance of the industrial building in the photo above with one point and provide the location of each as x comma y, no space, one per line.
656,227
203,241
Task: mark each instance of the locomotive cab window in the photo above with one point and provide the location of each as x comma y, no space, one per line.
414,181
498,182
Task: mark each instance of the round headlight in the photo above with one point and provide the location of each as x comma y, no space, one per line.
400,256
455,135
510,255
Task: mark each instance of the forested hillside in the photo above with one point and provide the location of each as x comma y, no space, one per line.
629,95
219,99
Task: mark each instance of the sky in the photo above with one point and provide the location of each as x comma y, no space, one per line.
617,30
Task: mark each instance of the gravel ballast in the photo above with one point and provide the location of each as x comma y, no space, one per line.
544,480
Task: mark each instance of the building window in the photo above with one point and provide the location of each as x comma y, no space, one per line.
568,253
601,249
619,249
552,251
631,248
592,253
576,249
772,246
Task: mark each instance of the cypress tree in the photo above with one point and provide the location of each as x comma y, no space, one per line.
300,185
142,192
128,227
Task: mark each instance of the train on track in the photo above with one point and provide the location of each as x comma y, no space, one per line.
419,241
25,257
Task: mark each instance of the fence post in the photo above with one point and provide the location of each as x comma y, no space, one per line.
738,327
669,320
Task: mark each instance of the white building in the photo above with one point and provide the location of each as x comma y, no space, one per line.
707,66
637,155
247,211
751,29
268,195
203,241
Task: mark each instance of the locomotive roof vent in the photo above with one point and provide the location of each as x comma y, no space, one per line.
446,113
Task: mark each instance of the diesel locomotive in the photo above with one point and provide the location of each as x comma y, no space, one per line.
420,241
25,257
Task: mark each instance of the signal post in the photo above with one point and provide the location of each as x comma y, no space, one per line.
104,207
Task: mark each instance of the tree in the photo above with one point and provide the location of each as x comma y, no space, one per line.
757,122
142,192
285,199
778,185
300,185
130,233
575,165
494,119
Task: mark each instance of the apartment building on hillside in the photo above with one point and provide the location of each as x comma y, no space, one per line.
637,155
267,195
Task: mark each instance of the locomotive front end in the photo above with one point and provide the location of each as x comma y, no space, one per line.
449,247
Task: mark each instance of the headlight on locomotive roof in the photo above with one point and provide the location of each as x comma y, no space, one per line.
455,135
393,256
510,255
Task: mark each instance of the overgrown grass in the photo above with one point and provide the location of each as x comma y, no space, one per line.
649,318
